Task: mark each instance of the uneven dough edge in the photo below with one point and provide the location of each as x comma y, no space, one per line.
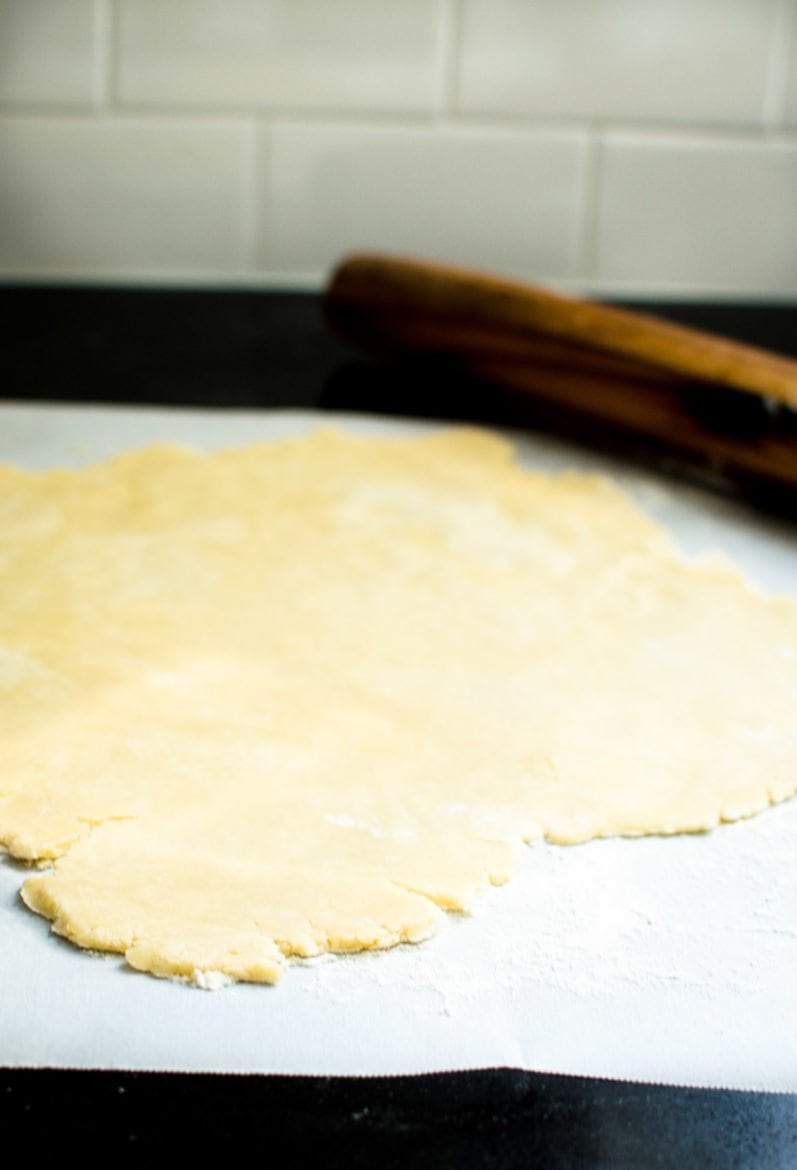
475,490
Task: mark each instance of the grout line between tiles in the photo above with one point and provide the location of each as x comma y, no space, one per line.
775,138
331,120
69,115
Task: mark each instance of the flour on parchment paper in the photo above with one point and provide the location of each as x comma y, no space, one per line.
306,696
595,920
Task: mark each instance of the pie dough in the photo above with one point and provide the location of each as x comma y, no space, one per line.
308,695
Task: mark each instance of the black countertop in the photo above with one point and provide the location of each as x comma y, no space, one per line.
245,349
241,349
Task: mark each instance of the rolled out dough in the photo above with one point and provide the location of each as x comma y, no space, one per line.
306,695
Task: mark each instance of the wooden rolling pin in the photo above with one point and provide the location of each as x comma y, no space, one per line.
727,407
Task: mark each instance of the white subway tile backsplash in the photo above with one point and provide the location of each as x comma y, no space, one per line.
681,60
94,197
791,82
295,54
680,212
640,145
46,51
502,200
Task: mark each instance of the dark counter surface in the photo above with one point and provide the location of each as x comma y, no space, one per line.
246,349
243,349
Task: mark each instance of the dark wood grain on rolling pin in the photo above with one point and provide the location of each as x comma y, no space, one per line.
724,405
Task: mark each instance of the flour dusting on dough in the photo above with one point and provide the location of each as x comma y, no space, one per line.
307,696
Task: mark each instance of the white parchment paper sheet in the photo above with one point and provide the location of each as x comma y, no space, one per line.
659,959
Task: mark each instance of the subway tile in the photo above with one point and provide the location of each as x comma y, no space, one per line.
112,197
503,200
791,83
297,54
46,51
683,60
681,212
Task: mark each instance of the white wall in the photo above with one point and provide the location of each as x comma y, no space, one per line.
619,146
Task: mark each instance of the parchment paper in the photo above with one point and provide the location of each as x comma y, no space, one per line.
661,959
